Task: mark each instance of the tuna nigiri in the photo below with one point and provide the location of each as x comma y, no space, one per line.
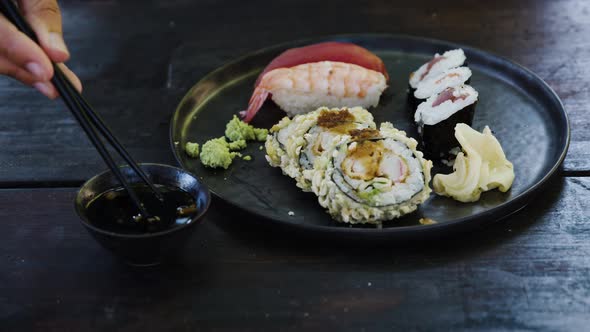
331,74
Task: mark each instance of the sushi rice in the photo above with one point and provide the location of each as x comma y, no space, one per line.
437,65
303,88
436,84
454,99
372,179
294,144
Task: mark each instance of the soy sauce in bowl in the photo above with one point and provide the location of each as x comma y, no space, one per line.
114,211
108,214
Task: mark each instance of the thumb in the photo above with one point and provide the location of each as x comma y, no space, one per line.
45,19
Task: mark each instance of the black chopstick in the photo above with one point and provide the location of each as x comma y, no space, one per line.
67,96
106,132
85,115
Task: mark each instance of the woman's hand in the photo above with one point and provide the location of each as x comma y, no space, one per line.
23,59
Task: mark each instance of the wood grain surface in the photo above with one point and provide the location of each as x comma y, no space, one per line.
122,51
529,272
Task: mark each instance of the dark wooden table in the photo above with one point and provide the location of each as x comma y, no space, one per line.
528,272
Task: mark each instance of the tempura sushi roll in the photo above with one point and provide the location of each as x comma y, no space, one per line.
293,145
372,176
276,141
437,116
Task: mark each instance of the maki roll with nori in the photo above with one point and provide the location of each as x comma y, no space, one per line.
294,144
372,176
437,116
433,71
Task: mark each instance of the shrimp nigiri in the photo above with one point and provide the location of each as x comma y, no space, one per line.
328,74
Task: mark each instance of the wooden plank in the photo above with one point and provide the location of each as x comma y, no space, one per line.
123,50
529,272
41,141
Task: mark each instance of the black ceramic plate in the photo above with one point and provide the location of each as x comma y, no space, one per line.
526,116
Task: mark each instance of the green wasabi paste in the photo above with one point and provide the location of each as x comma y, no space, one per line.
237,145
192,149
236,130
216,153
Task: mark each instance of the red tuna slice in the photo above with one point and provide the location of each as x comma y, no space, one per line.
447,95
328,51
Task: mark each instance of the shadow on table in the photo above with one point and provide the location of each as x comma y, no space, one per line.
253,234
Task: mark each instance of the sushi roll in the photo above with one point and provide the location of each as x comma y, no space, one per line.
437,116
372,176
436,84
437,65
276,141
443,68
294,144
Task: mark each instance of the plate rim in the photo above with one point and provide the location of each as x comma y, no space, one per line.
510,207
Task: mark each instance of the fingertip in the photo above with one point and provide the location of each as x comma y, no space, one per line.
47,89
56,55
38,71
53,92
39,65
72,77
77,84
58,46
76,81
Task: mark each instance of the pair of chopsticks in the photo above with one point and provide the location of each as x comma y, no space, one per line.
85,115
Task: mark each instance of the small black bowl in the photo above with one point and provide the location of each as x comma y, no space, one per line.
150,248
